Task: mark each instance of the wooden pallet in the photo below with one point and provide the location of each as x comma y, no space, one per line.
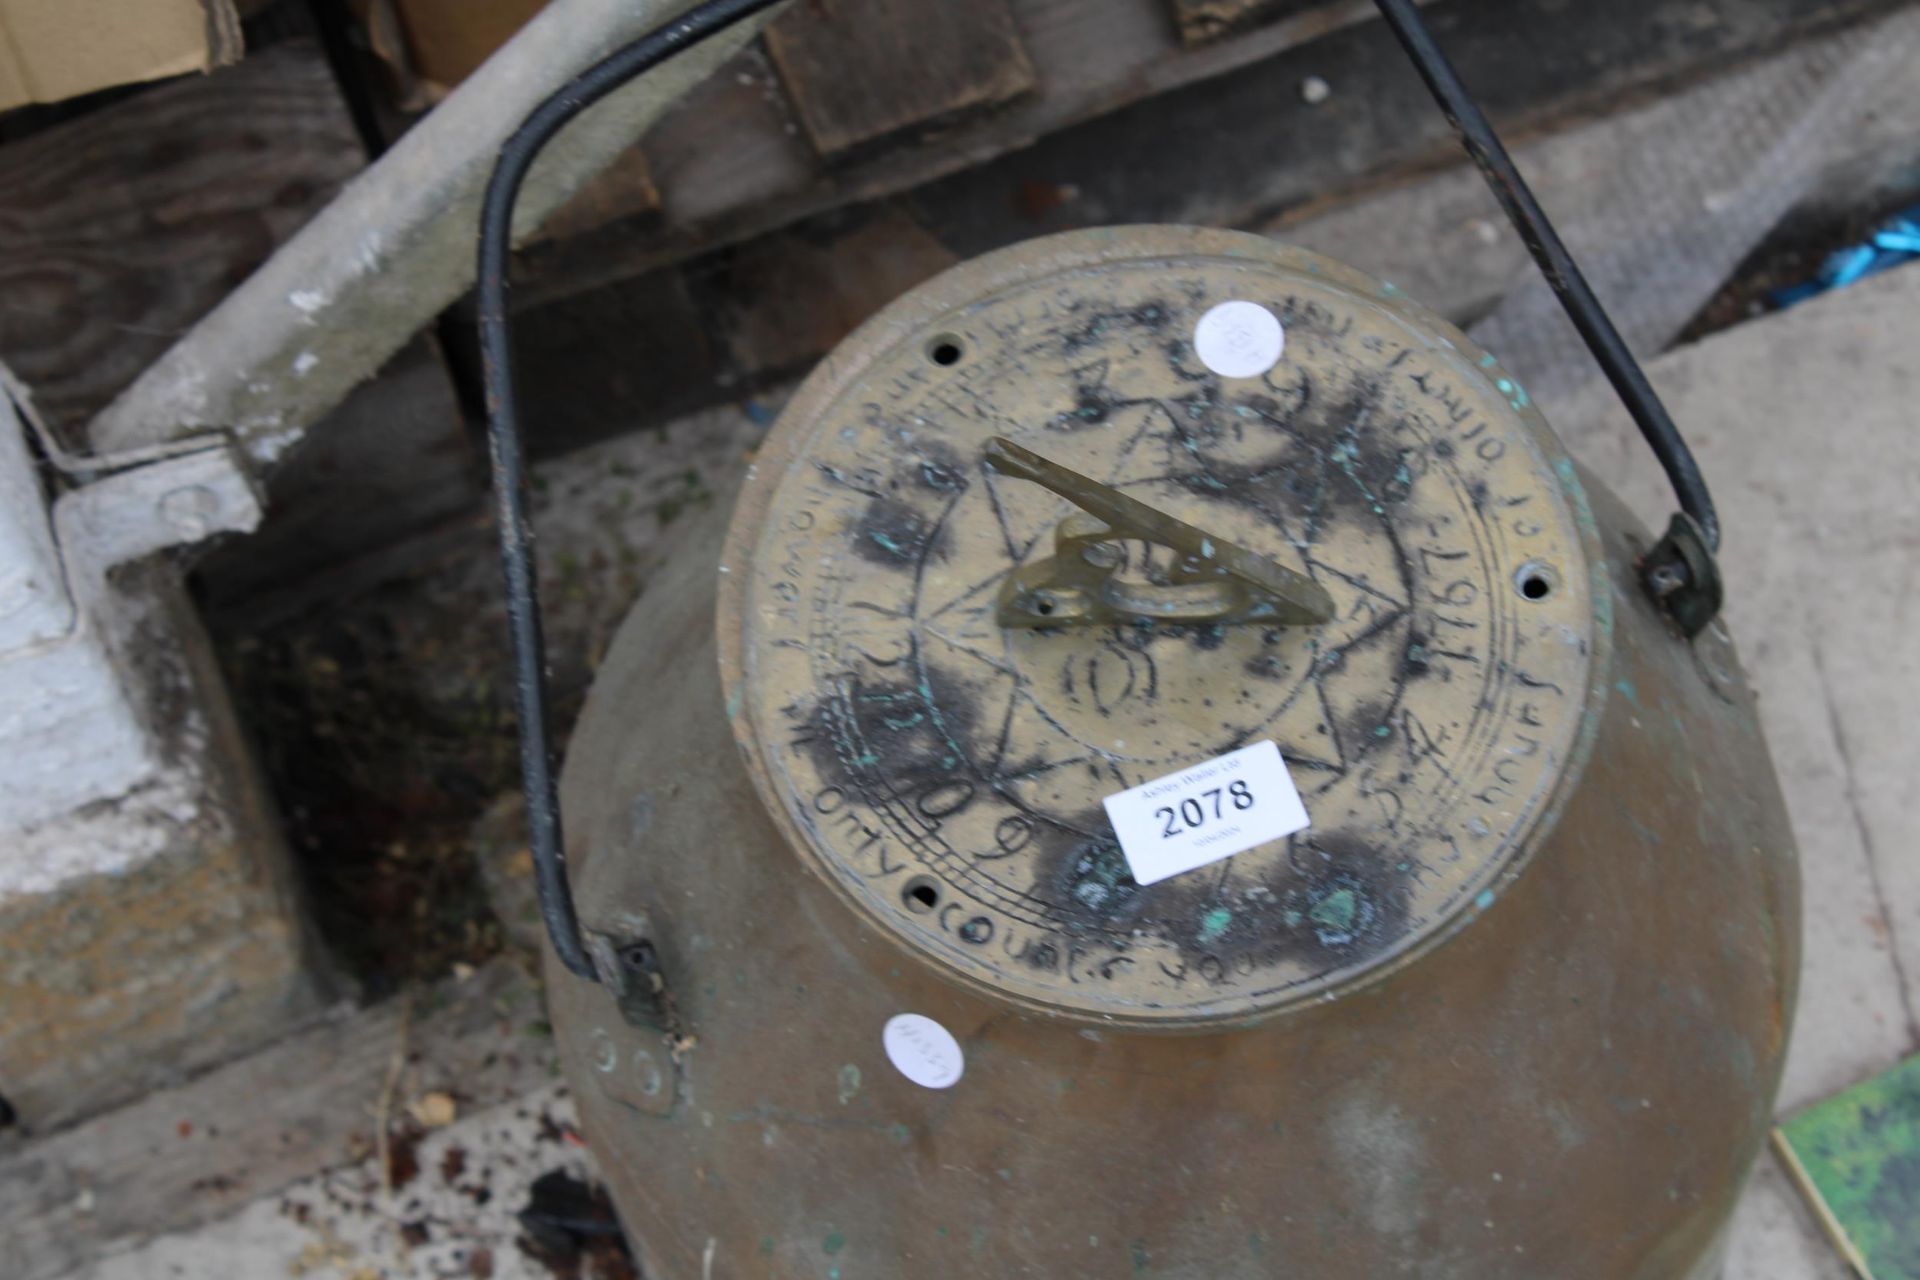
769,293
850,100
123,226
830,112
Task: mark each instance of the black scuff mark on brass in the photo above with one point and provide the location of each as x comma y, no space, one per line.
895,534
1099,882
1265,666
1309,320
1330,456
933,465
1268,664
1080,872
1152,316
1095,328
1261,406
1367,726
864,484
1184,363
1335,902
937,469
899,742
1416,662
1095,401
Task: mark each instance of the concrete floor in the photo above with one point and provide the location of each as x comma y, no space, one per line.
1806,425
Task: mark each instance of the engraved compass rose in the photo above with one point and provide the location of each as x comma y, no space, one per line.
942,760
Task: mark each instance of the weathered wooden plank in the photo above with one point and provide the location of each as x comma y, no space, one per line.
786,299
737,320
120,229
192,1154
639,351
864,71
1209,19
623,190
729,171
729,144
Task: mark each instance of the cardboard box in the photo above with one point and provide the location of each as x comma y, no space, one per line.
55,49
447,39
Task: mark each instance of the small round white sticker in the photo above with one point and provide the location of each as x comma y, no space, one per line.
1239,339
924,1051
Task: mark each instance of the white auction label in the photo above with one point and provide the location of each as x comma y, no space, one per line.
924,1051
1211,811
1239,339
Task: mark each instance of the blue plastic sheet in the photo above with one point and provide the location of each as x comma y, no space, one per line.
1896,241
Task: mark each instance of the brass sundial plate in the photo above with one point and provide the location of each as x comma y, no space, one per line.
946,774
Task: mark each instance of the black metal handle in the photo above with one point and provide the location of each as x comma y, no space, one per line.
1679,572
507,449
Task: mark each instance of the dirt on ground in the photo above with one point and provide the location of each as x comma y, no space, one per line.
385,718
1790,257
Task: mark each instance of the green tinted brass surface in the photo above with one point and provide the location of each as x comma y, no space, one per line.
1212,581
1514,1005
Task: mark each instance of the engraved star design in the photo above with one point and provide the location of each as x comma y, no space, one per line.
1029,744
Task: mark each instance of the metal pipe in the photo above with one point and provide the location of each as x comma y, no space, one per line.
395,248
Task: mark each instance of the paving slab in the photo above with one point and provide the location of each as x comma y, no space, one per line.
1775,1236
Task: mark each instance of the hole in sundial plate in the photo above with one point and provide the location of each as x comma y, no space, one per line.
1535,580
921,895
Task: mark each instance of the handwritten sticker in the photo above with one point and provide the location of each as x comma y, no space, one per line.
1210,811
924,1051
1239,339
